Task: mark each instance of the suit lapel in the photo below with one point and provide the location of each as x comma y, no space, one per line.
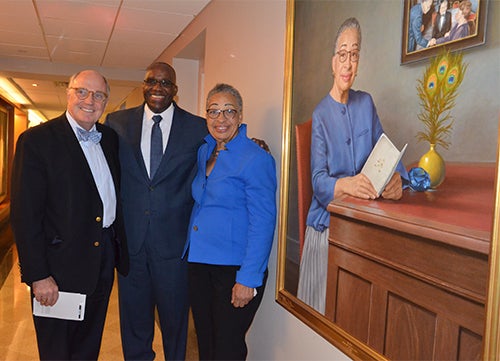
134,132
175,140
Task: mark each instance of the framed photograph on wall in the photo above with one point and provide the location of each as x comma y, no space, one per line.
430,24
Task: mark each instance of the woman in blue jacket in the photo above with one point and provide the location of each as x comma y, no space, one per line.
345,128
231,229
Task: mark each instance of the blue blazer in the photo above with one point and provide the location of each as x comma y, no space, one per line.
158,209
342,138
234,215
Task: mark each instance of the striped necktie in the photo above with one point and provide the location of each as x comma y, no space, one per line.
156,146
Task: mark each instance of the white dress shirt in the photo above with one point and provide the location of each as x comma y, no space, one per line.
101,173
147,126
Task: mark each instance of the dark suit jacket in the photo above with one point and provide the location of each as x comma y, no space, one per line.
56,211
439,32
159,209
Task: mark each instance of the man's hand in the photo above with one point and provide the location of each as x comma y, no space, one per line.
46,291
262,144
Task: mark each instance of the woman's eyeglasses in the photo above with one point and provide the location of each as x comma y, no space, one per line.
229,114
353,54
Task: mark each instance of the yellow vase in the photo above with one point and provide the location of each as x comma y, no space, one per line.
433,164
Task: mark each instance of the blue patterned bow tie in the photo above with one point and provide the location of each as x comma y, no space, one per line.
85,135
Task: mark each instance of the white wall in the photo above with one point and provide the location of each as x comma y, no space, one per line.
187,80
245,47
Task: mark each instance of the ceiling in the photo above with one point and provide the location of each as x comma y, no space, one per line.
44,42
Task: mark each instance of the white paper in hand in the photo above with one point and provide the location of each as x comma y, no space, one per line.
69,306
382,162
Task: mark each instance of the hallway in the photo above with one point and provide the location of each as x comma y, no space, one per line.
18,341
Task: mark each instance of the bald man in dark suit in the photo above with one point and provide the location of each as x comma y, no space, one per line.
67,219
157,204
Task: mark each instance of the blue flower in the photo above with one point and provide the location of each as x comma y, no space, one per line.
419,179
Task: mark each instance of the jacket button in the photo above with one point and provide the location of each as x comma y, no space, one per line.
195,228
98,219
96,244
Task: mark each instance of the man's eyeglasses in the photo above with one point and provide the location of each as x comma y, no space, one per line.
83,93
163,82
229,114
354,55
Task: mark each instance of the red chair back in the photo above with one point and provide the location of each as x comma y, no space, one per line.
303,146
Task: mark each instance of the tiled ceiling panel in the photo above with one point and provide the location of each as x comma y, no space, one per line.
42,41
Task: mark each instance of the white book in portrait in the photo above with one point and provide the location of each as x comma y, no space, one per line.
382,162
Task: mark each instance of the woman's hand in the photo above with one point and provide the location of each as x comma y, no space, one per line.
393,189
241,295
358,186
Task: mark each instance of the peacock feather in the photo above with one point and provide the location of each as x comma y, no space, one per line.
431,86
442,67
437,90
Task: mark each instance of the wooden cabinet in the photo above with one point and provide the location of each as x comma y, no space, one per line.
409,277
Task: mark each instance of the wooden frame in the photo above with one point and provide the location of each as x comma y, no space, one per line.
477,30
286,297
491,346
4,150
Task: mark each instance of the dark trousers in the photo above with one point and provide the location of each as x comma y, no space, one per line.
80,340
220,327
154,282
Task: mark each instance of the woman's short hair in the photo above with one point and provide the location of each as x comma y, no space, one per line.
229,89
351,23
465,7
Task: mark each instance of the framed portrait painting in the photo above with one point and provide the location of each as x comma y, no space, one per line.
429,25
351,322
